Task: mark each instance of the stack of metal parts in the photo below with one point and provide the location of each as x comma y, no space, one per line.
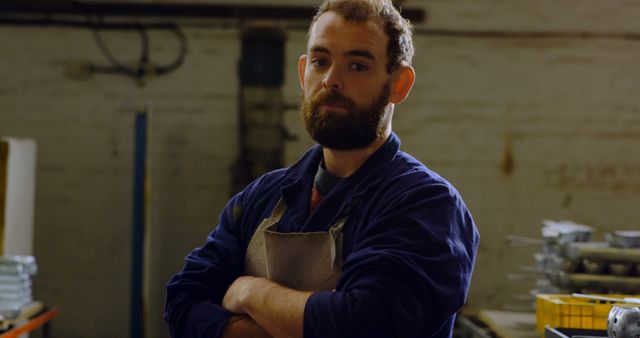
572,262
15,284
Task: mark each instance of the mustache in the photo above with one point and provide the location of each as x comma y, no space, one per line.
331,97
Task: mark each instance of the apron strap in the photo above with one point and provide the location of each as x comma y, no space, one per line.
278,211
336,229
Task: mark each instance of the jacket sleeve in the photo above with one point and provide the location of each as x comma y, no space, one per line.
408,271
194,295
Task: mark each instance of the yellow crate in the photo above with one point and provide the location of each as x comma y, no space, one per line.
566,311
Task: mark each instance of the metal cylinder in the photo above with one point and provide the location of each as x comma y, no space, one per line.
624,322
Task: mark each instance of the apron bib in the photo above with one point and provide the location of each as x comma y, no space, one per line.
307,261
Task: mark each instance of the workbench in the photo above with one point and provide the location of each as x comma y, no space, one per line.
509,324
502,324
31,317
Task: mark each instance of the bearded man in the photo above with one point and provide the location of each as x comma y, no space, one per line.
357,239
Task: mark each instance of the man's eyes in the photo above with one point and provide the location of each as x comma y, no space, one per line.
323,62
318,62
358,67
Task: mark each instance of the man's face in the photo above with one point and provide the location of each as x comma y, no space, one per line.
346,83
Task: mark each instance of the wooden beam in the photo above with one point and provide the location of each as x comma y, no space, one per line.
192,10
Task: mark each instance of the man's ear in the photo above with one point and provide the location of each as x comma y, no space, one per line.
302,67
402,81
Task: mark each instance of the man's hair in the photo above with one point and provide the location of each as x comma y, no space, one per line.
400,48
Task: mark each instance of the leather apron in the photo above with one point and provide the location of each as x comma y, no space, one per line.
307,261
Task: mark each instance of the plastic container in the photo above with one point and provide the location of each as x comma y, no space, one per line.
566,311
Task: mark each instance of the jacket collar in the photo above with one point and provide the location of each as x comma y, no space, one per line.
297,190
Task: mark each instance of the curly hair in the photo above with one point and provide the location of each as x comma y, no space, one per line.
400,49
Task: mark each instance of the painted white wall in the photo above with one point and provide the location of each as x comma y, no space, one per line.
84,130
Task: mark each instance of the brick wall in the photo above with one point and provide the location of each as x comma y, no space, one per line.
529,109
84,131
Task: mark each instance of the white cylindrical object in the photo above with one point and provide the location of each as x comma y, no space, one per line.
19,196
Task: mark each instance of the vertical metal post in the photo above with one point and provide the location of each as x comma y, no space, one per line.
138,240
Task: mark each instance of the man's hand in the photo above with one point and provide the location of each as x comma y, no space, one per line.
237,293
275,308
243,327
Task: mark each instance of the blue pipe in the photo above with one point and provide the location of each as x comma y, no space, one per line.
137,261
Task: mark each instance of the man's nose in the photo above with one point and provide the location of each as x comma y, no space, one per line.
332,80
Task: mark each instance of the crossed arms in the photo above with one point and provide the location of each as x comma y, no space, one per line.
409,286
264,309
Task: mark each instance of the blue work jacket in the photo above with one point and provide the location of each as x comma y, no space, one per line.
409,249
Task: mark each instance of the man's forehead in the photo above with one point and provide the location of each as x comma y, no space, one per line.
331,28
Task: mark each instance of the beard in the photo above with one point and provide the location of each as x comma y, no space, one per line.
356,128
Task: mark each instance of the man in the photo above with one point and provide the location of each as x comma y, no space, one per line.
357,239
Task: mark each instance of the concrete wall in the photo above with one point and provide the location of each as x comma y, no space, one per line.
526,125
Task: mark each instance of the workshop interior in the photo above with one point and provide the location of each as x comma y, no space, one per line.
126,126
